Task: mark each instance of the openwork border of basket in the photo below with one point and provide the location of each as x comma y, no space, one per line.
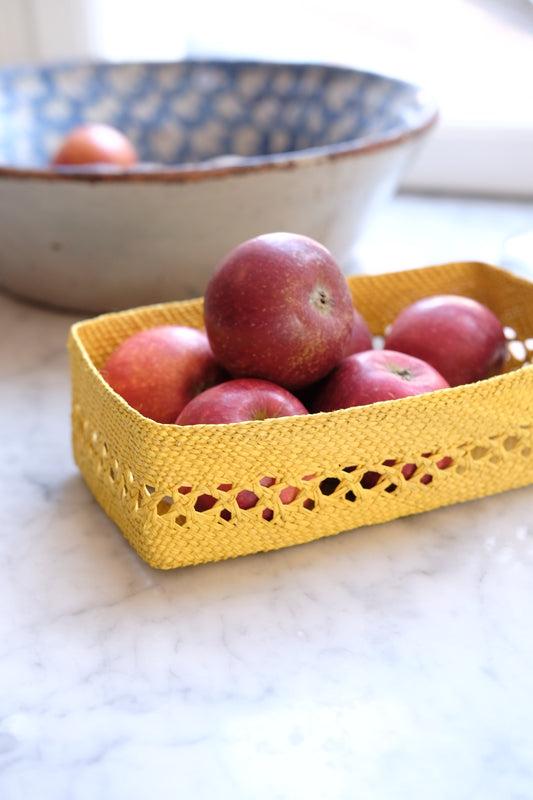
184,496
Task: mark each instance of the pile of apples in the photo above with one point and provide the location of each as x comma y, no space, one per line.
282,337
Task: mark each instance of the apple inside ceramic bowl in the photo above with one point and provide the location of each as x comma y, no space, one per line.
225,150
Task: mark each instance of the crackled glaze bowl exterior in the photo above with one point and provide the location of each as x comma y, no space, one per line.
228,150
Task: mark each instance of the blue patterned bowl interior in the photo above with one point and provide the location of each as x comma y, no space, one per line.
191,111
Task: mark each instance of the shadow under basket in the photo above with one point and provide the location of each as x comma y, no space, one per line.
176,492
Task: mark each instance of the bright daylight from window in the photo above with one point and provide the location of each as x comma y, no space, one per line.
475,56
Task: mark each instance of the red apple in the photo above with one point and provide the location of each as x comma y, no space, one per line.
360,339
246,499
240,400
361,335
373,376
459,336
158,370
278,307
95,143
370,479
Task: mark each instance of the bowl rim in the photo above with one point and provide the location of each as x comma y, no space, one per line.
193,172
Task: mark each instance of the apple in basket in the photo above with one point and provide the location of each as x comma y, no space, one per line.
361,335
278,307
240,400
360,339
459,336
95,143
373,376
160,369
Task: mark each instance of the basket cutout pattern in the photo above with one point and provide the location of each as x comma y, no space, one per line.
189,495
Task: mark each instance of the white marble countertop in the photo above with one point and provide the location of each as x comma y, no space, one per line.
391,662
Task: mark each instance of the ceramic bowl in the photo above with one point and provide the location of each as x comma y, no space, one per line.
228,150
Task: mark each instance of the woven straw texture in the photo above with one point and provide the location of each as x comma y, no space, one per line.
173,491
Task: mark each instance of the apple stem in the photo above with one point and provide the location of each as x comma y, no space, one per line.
322,300
404,373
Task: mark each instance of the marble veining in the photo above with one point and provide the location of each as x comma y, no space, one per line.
389,662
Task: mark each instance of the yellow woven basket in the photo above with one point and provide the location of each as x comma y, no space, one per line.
173,490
